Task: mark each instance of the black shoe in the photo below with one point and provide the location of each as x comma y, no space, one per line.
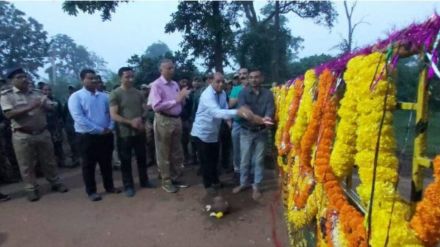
217,186
75,163
33,195
60,188
147,184
114,191
95,197
4,197
179,184
228,170
211,191
236,178
129,192
250,179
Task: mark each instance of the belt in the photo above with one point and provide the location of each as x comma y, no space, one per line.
89,134
253,129
29,131
168,115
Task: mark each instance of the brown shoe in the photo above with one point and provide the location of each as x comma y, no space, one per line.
256,194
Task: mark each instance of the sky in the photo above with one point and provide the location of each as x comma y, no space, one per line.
137,24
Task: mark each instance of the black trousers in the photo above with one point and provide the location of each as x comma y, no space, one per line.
96,149
73,140
208,156
225,146
126,147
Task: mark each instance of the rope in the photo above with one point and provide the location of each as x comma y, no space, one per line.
376,155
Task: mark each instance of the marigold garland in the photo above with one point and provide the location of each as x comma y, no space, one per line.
388,208
305,180
280,106
311,134
342,157
285,145
304,110
311,170
426,220
349,220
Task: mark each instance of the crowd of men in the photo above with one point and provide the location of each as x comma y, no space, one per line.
165,123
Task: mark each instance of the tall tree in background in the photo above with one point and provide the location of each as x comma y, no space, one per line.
207,29
346,44
147,64
68,59
321,12
206,26
105,7
22,41
298,68
256,45
157,49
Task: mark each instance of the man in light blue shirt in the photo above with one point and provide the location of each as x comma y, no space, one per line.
212,108
91,113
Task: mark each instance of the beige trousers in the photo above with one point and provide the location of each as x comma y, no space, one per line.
169,152
32,148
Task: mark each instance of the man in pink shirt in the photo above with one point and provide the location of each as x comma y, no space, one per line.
167,99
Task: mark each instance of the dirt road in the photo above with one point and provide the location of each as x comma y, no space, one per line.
151,218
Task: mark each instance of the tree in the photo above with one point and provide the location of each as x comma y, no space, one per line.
147,65
157,49
300,67
255,45
346,44
207,30
23,41
322,12
68,59
105,7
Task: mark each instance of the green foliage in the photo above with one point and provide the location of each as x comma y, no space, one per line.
157,49
255,45
69,59
105,7
22,41
300,67
147,65
59,89
407,78
207,30
408,70
268,43
321,12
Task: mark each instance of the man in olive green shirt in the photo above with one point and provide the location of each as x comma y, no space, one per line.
126,110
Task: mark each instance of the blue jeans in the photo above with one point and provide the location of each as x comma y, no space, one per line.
252,147
235,134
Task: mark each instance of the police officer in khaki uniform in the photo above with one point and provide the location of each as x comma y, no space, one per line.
32,142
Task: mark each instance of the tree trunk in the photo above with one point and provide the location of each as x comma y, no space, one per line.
218,46
276,49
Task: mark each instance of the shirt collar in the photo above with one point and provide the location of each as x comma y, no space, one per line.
164,80
16,90
90,93
214,92
251,90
